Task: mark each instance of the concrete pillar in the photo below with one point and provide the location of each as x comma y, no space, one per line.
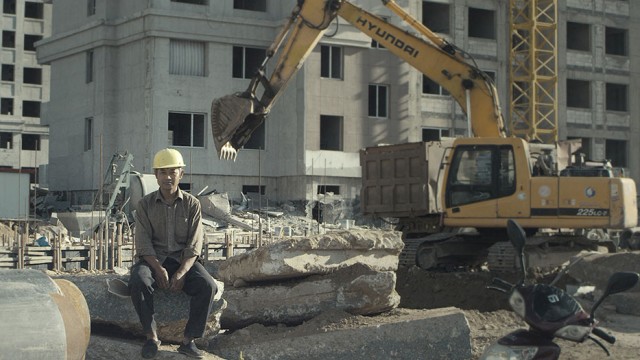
42,318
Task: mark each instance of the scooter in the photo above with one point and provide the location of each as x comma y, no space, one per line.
550,312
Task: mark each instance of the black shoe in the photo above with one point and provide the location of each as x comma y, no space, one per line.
150,348
191,350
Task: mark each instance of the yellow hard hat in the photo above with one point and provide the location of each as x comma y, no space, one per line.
167,158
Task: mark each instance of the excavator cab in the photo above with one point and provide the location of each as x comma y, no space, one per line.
479,173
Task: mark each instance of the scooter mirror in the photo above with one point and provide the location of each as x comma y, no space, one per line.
618,282
518,238
621,281
516,234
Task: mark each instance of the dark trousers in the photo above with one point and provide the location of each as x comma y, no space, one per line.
198,284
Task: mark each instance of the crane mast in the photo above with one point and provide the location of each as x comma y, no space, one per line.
533,77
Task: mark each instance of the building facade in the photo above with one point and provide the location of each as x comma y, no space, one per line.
137,76
24,141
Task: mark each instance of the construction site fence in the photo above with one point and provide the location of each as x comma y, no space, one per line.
109,248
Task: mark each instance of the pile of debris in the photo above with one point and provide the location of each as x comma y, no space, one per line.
289,283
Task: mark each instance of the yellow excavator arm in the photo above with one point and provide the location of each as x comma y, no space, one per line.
235,117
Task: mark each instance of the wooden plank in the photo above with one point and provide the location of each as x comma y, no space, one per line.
49,258
74,259
37,261
76,247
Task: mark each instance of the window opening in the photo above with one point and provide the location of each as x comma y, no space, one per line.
258,138
33,10
578,93
585,146
30,42
252,5
616,151
5,140
435,16
88,134
429,134
186,129
32,76
7,106
327,189
187,57
247,61
184,186
9,7
31,108
578,36
482,23
89,66
331,62
8,39
616,97
616,42
91,7
255,189
331,133
378,101
431,87
30,142
8,72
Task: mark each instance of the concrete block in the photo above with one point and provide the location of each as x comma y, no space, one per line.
405,334
356,289
172,309
320,254
626,303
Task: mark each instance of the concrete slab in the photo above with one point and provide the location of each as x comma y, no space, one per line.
401,334
172,309
357,289
321,254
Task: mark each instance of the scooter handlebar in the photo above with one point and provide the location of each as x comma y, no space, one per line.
603,335
500,285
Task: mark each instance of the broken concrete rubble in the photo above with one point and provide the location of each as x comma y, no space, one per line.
217,206
356,289
626,303
172,309
407,334
596,268
320,254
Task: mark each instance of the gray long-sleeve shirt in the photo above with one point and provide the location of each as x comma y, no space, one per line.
164,230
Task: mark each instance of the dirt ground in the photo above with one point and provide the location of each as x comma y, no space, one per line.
490,317
485,310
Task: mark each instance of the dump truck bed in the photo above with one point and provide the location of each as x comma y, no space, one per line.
402,180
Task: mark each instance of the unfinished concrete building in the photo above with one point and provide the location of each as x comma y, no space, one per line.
24,141
140,75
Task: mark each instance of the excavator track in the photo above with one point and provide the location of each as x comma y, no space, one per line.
444,251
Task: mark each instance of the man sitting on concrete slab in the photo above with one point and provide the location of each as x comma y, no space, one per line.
169,239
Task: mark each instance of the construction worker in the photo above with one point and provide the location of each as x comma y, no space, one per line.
168,240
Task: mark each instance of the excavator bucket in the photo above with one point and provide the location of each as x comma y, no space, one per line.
228,113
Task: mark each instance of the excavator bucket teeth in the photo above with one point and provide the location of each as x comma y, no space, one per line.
228,113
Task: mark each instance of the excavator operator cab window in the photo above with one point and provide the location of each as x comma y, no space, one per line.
480,173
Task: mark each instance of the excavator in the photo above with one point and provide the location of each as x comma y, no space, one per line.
439,190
